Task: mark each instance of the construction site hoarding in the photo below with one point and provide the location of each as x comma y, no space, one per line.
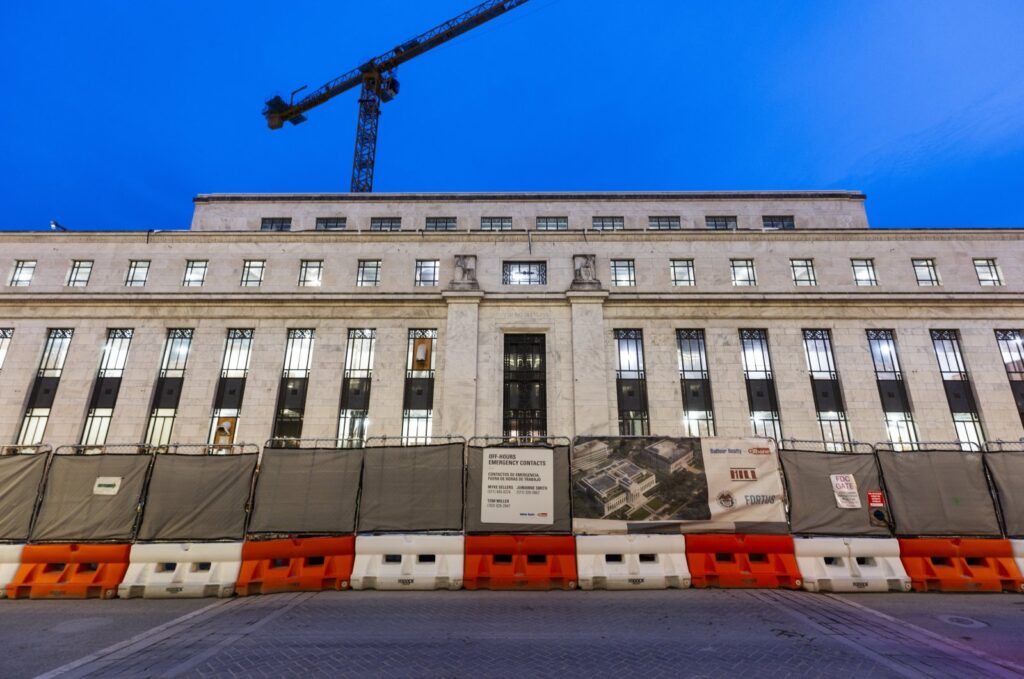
20,479
412,488
518,489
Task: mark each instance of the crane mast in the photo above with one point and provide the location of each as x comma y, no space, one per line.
379,85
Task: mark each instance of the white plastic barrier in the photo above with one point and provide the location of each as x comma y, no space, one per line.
182,569
631,562
10,559
408,561
1018,553
851,565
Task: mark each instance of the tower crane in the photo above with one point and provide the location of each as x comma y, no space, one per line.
379,85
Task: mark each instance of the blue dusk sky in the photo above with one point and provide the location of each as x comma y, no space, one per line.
118,113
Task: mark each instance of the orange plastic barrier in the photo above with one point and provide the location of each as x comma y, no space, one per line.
743,561
69,571
537,562
296,565
960,565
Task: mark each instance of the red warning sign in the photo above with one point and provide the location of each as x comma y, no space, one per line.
875,498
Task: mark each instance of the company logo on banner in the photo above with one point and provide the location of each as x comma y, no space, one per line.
518,486
748,470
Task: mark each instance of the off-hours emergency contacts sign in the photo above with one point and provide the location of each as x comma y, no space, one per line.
518,486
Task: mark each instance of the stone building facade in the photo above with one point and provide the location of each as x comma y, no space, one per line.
514,314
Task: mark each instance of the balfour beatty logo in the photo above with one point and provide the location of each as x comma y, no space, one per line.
759,451
743,474
725,451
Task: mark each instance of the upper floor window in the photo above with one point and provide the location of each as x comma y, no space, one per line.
79,273
195,273
385,224
311,273
778,222
138,273
331,223
276,224
864,271
803,272
988,272
608,223
743,273
427,272
663,223
682,272
925,272
623,273
368,273
495,223
252,273
524,273
552,223
441,223
237,352
720,222
22,274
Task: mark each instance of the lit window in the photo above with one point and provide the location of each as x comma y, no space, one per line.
385,224
79,273
22,274
623,273
682,272
761,394
166,397
311,273
138,273
899,420
298,353
778,222
331,223
864,272
427,272
552,223
368,273
608,223
441,224
720,223
55,352
803,272
631,383
352,419
252,272
743,273
112,363
5,342
495,223
524,273
195,273
663,223
925,272
276,224
988,272
237,352
695,383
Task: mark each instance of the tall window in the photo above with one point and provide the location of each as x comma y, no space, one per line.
959,393
631,383
441,224
311,273
276,224
778,222
291,395
760,382
682,273
552,223
608,223
368,273
524,398
21,275
138,273
252,272
803,272
355,387
227,406
5,342
1011,347
720,223
623,273
106,387
743,273
899,417
385,224
44,389
988,272
828,395
195,273
695,384
864,272
418,399
427,272
663,223
331,223
79,273
167,392
495,223
524,273
925,272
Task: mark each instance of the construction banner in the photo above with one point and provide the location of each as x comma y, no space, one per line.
518,489
412,488
20,477
1007,472
667,485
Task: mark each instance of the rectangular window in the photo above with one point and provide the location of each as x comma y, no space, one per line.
106,388
195,273
227,405
631,383
291,394
138,273
608,223
427,272
623,273
418,399
252,272
524,398
695,384
552,223
368,273
355,387
276,224
311,273
524,273
44,389
167,392
237,352
959,393
988,272
5,342
925,272
803,272
899,418
79,273
331,223
1011,347
495,223
441,224
720,222
778,222
664,223
21,275
743,273
385,224
760,382
864,272
682,272
828,395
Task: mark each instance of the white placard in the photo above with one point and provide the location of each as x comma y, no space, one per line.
518,486
106,485
844,486
744,484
